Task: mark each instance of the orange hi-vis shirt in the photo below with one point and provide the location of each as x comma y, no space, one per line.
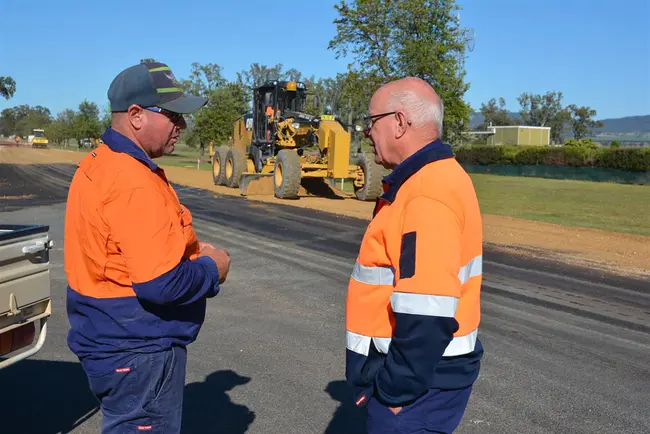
135,281
413,304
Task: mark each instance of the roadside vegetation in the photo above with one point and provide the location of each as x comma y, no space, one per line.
606,206
597,205
577,153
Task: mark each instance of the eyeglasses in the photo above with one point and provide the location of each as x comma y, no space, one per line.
174,117
370,120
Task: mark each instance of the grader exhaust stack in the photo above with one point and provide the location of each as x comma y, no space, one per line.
278,147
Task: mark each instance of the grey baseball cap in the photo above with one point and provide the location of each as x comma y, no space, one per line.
149,85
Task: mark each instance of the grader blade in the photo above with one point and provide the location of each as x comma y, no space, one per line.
252,184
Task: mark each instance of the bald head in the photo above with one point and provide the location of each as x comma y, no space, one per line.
418,116
419,101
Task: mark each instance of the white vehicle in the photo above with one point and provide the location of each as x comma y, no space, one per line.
25,303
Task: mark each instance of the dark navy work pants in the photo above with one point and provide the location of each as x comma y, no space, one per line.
145,394
435,412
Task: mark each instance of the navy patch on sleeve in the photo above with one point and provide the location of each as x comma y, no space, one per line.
407,256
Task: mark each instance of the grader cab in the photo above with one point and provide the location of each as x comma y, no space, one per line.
280,142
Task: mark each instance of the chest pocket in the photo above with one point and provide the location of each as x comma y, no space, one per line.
191,241
183,218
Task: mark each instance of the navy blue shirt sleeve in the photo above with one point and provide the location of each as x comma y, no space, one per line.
185,284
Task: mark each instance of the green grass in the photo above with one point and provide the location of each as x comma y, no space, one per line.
598,205
184,156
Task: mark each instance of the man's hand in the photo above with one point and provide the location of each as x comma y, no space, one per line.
220,257
202,245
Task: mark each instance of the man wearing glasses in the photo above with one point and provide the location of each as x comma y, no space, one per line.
413,311
138,278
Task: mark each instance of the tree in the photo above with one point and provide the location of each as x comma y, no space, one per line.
582,120
538,110
215,122
393,39
495,114
7,87
203,79
544,111
330,96
259,74
22,119
86,123
364,28
36,117
56,132
7,122
292,75
67,120
357,89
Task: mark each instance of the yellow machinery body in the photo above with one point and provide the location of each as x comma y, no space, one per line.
39,139
288,146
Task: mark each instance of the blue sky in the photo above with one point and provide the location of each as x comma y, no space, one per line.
596,52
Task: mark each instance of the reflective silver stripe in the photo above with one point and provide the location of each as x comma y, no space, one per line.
373,275
424,304
357,343
472,269
461,344
360,344
382,344
386,275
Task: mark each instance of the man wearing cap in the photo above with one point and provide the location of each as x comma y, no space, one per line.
138,278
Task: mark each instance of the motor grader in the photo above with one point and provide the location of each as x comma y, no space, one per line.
279,141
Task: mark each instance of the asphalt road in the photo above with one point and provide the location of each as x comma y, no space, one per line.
567,349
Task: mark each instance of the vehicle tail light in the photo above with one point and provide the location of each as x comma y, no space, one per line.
17,338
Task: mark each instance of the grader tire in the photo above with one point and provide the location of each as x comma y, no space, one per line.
372,187
286,175
234,167
219,166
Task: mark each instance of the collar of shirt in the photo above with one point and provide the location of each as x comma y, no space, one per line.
434,151
120,143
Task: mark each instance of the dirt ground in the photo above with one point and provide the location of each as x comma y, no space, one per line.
622,253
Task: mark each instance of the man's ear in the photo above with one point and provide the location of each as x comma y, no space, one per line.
136,116
402,124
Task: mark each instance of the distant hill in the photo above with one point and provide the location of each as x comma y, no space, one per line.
476,118
629,124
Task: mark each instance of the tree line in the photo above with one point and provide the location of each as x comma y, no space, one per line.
385,40
85,122
544,111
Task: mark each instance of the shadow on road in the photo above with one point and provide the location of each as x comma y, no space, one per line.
207,408
45,397
348,418
318,187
